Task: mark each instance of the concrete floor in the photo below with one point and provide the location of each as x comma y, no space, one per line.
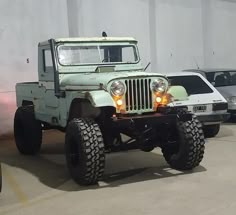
134,183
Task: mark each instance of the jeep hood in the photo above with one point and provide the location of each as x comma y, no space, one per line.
95,80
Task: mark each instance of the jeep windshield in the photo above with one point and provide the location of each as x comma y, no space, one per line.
79,54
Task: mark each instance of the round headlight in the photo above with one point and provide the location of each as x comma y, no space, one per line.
159,86
117,88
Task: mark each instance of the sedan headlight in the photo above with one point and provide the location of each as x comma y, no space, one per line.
117,88
232,99
159,86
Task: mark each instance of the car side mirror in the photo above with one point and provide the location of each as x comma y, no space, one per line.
178,93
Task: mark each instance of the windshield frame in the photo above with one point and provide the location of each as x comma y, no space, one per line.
135,48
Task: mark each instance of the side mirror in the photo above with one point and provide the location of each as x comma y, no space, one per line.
178,93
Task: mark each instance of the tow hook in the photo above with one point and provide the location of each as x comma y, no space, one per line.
132,124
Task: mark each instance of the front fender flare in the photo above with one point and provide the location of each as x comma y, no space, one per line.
178,93
100,98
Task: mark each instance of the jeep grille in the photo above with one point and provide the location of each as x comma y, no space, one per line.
138,95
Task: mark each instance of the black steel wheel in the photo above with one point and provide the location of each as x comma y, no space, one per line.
84,149
27,131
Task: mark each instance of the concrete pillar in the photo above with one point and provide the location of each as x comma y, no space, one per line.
73,17
153,34
206,14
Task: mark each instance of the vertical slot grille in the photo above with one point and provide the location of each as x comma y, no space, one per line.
138,95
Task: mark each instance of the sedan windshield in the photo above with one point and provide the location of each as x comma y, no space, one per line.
72,55
192,84
222,78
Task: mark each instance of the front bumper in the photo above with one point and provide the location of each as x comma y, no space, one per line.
150,120
213,118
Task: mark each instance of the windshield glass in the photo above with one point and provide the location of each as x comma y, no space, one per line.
222,78
192,84
72,55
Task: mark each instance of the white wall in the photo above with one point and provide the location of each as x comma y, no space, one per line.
179,35
169,31
220,33
23,23
117,18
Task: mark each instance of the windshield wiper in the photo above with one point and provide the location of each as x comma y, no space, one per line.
147,66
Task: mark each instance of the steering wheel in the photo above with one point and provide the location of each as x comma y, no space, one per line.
109,58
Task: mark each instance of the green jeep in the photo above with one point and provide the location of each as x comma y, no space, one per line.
96,90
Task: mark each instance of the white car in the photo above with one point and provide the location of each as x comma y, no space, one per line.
204,100
224,80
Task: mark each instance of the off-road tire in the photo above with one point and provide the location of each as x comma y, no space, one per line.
84,149
0,178
27,131
187,151
211,130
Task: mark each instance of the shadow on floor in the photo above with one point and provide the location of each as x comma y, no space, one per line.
225,131
121,168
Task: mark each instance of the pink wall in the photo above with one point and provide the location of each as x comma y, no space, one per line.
7,109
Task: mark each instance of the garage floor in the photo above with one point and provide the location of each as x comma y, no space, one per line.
135,182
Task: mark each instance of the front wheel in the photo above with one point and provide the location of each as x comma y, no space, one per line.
186,148
84,149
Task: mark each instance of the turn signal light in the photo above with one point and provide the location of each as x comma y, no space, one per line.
158,99
119,102
162,100
166,99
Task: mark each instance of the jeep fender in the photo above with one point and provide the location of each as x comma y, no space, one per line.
100,98
178,93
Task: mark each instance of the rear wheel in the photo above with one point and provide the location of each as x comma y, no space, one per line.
211,130
27,131
185,149
85,154
0,177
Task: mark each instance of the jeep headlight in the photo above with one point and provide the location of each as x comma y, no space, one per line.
232,99
117,88
159,86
